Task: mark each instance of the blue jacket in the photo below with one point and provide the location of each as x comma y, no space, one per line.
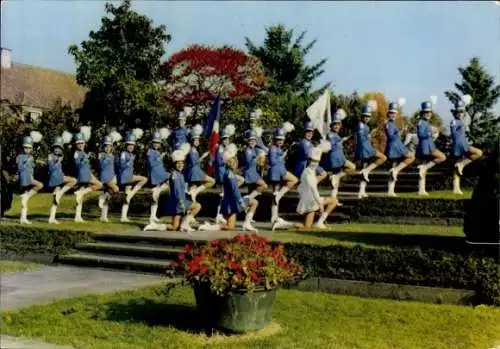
425,142
232,202
156,168
220,166
336,157
126,167
276,160
177,203
25,168
106,167
459,144
56,175
394,148
364,149
82,164
178,137
193,171
250,165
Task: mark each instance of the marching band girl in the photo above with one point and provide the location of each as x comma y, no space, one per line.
256,184
426,147
195,176
310,201
220,166
364,151
395,150
259,144
56,175
85,179
232,201
132,183
336,162
281,180
107,173
180,134
158,176
177,205
460,148
26,166
305,147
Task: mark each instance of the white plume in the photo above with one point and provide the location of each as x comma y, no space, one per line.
258,113
115,136
231,149
185,148
288,127
434,100
36,136
411,138
86,131
197,129
258,131
137,132
401,101
341,114
182,114
164,133
229,130
324,146
467,99
373,104
66,137
188,111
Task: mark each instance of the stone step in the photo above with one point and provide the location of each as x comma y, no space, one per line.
85,259
154,251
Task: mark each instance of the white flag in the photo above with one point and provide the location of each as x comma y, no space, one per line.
320,113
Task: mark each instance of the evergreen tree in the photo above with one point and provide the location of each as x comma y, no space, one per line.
484,128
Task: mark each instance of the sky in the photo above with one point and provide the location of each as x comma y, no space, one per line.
403,49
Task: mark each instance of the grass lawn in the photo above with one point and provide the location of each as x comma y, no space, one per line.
148,319
439,194
15,266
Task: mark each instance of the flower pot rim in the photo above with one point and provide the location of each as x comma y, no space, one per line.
242,290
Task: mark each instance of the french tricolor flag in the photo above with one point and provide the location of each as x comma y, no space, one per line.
211,131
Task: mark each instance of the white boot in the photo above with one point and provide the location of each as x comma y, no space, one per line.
24,215
364,172
185,227
320,224
131,193
59,194
154,210
156,194
102,199
362,190
391,188
80,194
124,218
280,223
52,216
461,164
335,180
395,170
456,185
254,194
280,193
194,191
247,225
274,213
78,213
421,187
209,227
104,213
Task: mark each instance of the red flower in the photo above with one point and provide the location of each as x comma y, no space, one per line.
182,256
187,248
252,264
254,276
235,266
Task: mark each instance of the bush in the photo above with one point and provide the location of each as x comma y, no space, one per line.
474,271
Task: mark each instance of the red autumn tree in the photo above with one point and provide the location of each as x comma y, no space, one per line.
196,74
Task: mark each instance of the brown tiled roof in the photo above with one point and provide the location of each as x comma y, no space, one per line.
39,87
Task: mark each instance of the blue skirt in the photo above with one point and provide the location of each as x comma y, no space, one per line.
459,149
395,150
364,152
276,173
174,208
194,174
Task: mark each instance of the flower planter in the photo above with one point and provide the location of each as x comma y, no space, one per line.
239,311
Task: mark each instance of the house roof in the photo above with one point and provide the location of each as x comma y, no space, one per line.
39,87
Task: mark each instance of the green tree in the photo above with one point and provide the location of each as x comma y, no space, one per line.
119,66
283,59
484,125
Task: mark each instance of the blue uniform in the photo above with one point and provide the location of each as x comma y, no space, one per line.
232,202
302,157
176,203
336,157
56,175
25,168
193,171
250,166
459,144
277,169
394,149
178,137
364,149
156,168
126,167
82,164
220,166
425,142
106,167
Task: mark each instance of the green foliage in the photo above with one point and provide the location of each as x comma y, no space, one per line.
484,125
23,240
119,65
283,59
481,223
12,128
474,271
